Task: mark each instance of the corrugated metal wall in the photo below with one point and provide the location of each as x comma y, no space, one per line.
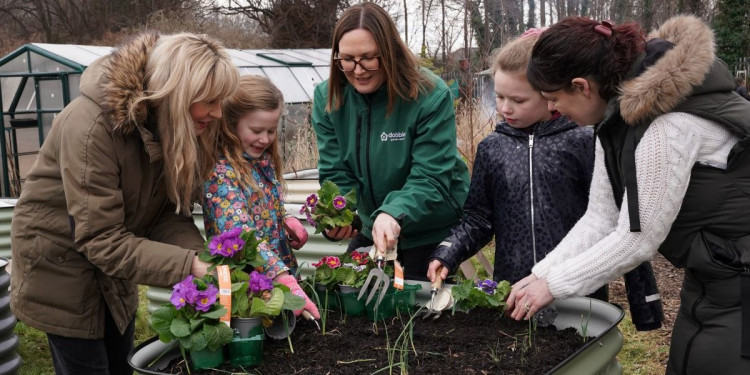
6,214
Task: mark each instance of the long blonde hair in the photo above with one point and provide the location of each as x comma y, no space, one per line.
183,69
401,67
255,93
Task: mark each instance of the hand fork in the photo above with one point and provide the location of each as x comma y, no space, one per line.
380,277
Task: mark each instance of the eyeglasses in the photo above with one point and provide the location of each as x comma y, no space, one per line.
367,63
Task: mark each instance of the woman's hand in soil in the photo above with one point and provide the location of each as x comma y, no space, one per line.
385,232
529,298
296,232
340,233
291,282
432,273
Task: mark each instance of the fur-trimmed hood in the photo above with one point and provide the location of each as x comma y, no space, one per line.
118,79
667,83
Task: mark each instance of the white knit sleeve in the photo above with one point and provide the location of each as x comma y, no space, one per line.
664,159
599,220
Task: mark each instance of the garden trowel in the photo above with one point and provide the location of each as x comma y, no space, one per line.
381,281
440,298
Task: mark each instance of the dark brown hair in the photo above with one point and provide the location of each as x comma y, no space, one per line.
402,75
574,48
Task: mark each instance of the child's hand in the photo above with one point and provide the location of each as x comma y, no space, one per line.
296,232
291,282
433,268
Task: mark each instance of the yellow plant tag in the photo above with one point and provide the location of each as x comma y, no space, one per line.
225,292
398,275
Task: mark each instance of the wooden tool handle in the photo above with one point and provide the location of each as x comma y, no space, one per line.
438,279
306,314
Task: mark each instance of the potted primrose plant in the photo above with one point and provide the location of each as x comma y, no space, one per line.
257,301
329,208
193,318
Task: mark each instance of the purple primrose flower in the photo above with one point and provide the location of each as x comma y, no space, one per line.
206,298
339,202
488,286
312,200
258,283
184,292
227,244
310,219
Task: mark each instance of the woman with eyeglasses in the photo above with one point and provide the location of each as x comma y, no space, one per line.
386,127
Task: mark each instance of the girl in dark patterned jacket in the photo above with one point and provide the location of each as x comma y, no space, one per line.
530,180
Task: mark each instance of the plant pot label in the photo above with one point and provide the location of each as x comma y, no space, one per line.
225,292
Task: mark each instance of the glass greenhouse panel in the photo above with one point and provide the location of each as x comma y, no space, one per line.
47,119
51,94
308,78
324,71
288,84
83,55
242,58
251,71
313,56
9,86
19,64
74,83
41,64
28,97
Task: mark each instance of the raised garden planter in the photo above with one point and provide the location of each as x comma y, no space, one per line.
595,356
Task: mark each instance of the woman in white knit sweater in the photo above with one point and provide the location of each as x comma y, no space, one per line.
671,175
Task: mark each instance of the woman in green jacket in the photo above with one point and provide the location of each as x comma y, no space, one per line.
386,127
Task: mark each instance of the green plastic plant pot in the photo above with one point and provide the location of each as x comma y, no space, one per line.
246,352
329,299
349,302
386,308
406,299
247,327
205,358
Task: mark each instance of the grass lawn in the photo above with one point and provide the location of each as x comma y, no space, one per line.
34,350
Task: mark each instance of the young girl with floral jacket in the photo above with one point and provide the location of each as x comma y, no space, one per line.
245,188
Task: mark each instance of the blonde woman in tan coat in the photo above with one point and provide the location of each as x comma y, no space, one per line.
107,205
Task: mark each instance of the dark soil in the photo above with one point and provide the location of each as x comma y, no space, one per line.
482,342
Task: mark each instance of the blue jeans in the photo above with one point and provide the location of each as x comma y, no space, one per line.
107,356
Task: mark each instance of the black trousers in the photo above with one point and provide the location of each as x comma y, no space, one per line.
413,260
107,356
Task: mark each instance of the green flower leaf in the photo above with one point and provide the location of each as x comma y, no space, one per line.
161,320
272,307
292,302
215,314
180,327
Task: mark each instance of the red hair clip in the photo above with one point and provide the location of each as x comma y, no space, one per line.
605,28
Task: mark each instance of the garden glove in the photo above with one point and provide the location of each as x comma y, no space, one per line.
295,231
291,282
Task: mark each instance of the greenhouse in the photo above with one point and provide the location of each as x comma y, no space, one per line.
37,80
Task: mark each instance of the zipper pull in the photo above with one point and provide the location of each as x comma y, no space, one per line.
531,141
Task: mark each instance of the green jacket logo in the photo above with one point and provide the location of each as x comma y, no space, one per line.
393,136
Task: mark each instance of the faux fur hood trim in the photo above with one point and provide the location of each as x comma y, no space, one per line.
124,82
664,85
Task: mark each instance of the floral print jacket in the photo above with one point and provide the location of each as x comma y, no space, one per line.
227,205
